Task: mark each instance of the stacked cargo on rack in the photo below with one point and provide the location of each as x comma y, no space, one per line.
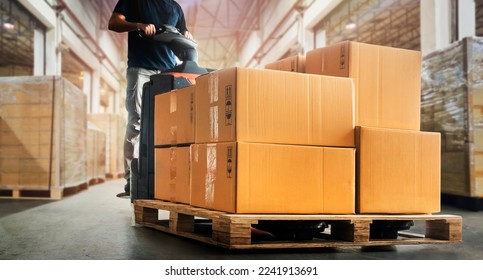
268,141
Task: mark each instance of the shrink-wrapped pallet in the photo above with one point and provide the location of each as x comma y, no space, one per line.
43,136
452,103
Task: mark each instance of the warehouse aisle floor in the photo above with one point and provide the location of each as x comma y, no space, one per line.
95,225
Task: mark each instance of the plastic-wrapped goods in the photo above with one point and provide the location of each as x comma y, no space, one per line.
452,103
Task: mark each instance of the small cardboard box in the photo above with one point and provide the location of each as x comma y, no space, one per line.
174,117
172,174
398,171
268,178
294,63
387,81
267,106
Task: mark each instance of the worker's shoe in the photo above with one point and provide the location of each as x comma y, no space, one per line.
127,191
124,195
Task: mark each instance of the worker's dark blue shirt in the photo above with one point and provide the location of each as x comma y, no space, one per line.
146,53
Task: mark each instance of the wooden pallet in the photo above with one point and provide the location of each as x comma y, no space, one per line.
235,231
52,194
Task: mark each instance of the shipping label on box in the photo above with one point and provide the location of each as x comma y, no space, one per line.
269,178
174,117
266,106
172,174
398,171
387,81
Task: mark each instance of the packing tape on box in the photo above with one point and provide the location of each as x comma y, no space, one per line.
210,179
174,134
172,164
214,123
173,174
172,191
173,103
213,88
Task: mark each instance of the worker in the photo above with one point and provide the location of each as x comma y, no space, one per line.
145,58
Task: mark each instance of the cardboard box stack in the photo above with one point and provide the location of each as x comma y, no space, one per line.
398,166
273,142
174,126
42,135
452,98
263,141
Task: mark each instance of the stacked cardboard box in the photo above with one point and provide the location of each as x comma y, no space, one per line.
257,141
452,90
43,135
294,63
115,128
398,166
174,126
277,142
268,142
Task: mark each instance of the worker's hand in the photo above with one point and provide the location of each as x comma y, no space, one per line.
148,29
188,35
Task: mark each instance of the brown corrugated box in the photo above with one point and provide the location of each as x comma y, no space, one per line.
174,117
294,63
267,106
267,178
398,171
387,81
172,174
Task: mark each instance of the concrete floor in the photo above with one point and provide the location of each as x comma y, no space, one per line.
95,225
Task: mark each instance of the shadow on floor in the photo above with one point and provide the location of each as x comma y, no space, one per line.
13,206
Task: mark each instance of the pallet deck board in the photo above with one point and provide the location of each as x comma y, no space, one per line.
27,193
234,231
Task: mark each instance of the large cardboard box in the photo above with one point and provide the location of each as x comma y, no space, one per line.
387,81
174,117
172,174
267,106
268,178
294,63
398,171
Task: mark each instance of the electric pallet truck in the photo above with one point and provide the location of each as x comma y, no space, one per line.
183,75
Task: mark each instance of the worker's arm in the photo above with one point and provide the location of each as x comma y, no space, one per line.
118,23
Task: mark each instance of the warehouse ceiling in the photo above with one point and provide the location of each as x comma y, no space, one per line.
221,27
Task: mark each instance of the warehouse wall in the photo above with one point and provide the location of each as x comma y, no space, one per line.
285,31
79,27
280,24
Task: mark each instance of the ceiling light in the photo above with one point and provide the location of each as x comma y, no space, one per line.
350,25
8,24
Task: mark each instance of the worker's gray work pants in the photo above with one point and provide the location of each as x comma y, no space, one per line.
136,78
